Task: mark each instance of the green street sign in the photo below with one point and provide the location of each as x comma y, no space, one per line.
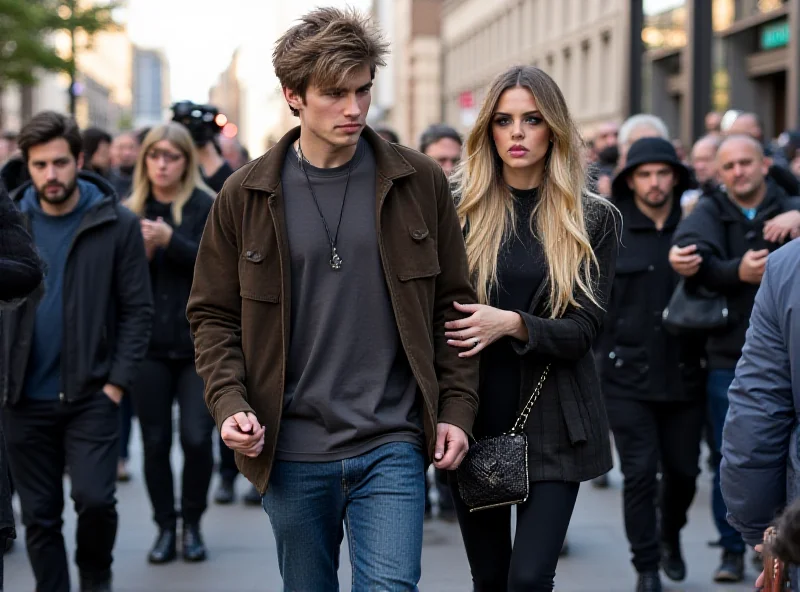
775,35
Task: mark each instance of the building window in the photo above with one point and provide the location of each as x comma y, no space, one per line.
605,88
566,83
664,24
586,77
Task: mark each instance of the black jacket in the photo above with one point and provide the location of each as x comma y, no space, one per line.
723,234
108,309
20,267
638,358
171,274
568,428
20,274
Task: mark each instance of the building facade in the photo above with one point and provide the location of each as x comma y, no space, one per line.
413,28
226,95
701,55
151,94
582,44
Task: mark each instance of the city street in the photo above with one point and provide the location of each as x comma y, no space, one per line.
242,551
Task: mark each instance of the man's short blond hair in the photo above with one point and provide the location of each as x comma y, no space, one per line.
325,47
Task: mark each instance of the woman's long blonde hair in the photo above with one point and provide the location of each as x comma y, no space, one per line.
179,137
486,206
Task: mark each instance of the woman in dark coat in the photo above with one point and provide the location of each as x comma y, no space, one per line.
541,252
173,203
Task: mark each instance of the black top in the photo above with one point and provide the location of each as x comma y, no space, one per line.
171,275
521,269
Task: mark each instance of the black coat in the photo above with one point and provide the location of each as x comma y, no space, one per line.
108,310
723,234
20,267
568,427
171,274
20,274
638,359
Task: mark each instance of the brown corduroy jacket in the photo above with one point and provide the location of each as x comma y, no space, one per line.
239,308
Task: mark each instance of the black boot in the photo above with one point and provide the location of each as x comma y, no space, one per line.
672,562
649,581
731,569
95,584
224,493
164,549
194,549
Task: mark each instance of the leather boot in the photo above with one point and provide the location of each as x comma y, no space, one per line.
194,549
164,549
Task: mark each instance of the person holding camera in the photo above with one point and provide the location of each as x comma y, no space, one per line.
201,121
172,203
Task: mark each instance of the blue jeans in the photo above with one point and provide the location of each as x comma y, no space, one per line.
719,381
378,497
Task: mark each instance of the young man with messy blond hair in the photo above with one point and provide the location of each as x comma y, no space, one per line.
325,277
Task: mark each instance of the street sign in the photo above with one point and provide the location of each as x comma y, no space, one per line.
775,34
466,100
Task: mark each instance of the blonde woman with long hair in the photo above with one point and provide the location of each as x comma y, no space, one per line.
541,253
173,204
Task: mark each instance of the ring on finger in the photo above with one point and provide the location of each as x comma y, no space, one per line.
475,342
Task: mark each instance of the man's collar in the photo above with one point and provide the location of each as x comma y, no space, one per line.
266,173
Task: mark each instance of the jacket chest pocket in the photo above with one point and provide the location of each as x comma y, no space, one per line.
418,257
259,276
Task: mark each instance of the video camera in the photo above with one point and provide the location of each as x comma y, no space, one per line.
200,120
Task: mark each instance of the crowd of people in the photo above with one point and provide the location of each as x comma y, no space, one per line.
347,311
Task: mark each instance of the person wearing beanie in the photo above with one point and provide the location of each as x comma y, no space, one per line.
652,381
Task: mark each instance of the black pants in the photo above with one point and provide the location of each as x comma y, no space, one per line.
125,420
227,463
159,384
542,524
442,488
650,436
43,436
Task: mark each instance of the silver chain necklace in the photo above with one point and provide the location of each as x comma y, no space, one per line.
335,260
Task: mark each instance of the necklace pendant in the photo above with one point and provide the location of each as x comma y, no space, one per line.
336,261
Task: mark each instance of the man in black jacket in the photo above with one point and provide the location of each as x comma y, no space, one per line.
70,351
652,381
732,231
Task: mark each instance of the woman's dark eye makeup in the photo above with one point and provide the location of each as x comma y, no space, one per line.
503,120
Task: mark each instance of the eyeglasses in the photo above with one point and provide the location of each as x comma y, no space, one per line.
169,157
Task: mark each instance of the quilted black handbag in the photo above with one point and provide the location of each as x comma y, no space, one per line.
495,471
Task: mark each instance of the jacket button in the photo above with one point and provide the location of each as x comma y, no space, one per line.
651,268
418,234
249,254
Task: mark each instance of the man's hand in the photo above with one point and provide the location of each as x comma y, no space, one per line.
243,433
113,392
451,447
685,260
751,269
782,226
